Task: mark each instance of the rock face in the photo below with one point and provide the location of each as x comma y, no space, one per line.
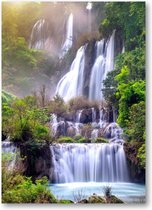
113,199
89,61
98,199
137,174
36,159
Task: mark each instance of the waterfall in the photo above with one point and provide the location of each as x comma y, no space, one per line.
10,152
54,124
71,84
40,38
89,163
109,63
97,73
78,116
69,36
103,64
94,134
93,114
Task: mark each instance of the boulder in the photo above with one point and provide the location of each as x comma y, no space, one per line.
113,199
93,199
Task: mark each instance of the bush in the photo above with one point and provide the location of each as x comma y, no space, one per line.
84,140
65,201
136,122
29,122
101,140
26,191
142,156
65,139
41,133
80,103
86,130
107,191
57,106
77,137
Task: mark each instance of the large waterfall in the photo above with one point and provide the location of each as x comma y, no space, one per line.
103,64
72,84
88,163
69,36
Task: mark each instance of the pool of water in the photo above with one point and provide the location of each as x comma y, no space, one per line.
128,192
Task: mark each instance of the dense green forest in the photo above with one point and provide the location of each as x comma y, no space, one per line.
26,119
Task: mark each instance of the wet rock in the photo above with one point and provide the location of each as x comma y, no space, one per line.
71,131
113,199
93,199
36,159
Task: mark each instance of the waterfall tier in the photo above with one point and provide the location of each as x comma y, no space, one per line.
69,36
72,84
42,37
88,163
89,123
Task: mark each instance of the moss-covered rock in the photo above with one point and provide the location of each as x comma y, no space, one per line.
99,199
65,139
93,199
101,140
65,201
113,199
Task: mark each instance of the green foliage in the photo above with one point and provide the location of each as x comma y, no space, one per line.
128,93
128,18
65,139
7,97
109,90
65,201
29,122
77,137
83,140
17,188
134,60
101,140
18,54
142,156
57,106
136,121
23,190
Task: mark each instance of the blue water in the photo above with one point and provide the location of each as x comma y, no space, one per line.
128,192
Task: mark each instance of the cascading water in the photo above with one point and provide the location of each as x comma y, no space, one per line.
54,124
69,36
40,38
97,73
103,64
93,114
71,85
88,163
